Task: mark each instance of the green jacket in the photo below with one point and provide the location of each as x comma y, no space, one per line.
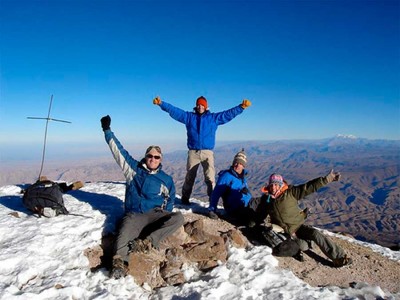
284,210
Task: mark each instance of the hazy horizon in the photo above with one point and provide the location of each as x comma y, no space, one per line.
28,152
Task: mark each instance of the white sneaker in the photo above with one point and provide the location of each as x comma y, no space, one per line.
49,212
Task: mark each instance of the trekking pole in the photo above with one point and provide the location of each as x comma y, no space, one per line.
45,132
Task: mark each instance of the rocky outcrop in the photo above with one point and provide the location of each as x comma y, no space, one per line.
202,243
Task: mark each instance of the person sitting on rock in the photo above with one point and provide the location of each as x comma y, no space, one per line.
149,201
232,188
280,202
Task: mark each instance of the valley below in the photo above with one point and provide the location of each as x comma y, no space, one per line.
365,203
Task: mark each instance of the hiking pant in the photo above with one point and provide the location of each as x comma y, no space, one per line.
329,248
194,159
154,225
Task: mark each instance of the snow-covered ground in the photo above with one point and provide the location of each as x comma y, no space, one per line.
42,258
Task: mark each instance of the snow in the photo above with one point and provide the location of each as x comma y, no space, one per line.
43,258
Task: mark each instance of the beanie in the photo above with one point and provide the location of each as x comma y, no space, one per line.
202,101
241,158
276,178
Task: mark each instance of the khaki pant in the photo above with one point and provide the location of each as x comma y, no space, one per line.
194,159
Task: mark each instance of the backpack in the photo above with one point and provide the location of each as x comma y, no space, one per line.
281,244
44,194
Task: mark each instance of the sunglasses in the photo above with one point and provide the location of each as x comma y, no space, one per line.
153,156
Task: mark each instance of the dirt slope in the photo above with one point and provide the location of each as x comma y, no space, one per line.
368,266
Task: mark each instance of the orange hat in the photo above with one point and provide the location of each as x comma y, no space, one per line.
202,101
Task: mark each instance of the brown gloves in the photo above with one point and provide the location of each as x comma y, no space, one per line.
245,104
157,101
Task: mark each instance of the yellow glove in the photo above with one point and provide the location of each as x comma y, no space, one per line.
157,101
246,103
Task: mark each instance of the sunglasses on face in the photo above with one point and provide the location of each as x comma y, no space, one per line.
153,156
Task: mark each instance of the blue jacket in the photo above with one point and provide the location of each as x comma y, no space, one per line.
201,128
145,189
233,190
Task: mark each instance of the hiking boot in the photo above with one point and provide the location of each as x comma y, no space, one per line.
185,201
77,185
299,256
343,261
212,215
140,246
119,268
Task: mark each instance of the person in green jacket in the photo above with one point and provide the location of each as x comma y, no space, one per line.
280,202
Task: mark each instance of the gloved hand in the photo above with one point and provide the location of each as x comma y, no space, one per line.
333,176
212,215
105,122
251,224
245,104
244,190
157,101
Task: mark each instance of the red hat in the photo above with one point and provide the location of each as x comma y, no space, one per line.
202,101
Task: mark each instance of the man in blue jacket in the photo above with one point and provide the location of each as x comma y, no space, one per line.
201,126
233,189
149,201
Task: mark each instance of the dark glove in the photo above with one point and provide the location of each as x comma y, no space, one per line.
251,224
333,176
105,122
244,190
212,215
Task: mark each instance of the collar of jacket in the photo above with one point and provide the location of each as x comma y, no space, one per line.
236,174
205,112
280,192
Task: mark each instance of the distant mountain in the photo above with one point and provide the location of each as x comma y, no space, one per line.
364,203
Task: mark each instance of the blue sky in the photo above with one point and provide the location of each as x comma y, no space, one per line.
312,69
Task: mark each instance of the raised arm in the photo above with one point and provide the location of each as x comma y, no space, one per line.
303,190
127,163
229,114
176,113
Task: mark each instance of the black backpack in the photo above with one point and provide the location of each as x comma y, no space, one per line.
281,244
44,194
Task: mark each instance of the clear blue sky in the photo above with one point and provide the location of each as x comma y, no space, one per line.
312,69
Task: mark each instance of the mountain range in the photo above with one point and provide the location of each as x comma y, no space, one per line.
364,203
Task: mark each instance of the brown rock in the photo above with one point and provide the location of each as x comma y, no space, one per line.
14,214
201,243
145,268
94,256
